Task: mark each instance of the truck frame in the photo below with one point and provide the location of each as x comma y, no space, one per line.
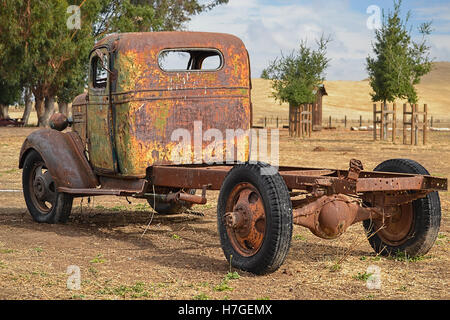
122,144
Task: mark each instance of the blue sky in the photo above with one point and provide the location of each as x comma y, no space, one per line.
271,27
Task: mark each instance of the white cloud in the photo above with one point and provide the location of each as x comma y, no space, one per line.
440,47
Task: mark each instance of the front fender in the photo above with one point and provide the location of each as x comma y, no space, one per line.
63,156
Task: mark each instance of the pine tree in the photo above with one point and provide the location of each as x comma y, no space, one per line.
399,62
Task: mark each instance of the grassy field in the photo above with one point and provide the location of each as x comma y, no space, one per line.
122,255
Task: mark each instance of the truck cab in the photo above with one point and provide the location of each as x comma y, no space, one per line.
145,86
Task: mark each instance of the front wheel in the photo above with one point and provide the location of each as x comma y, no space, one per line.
45,204
254,217
414,229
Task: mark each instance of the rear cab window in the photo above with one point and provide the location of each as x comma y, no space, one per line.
176,60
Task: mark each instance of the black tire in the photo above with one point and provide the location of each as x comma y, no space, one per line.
53,208
164,208
278,218
425,221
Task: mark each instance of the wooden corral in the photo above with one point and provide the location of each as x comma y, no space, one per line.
300,120
381,118
385,120
307,117
412,112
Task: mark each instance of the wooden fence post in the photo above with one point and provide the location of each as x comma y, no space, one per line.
404,123
425,120
415,132
375,122
310,120
394,122
300,123
383,123
291,120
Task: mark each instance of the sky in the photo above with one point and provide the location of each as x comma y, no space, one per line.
269,28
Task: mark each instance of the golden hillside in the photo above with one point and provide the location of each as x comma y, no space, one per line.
352,98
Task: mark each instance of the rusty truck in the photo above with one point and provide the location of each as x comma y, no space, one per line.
144,86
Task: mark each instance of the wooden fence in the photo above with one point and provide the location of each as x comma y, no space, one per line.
412,112
300,120
384,116
272,122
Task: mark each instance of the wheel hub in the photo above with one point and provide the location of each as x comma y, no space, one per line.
40,188
396,228
239,220
246,219
43,188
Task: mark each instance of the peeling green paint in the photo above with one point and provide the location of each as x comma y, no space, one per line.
161,117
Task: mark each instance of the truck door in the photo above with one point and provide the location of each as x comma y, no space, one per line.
99,116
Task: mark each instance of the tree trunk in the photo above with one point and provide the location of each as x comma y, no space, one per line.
49,110
28,107
292,122
63,108
4,111
39,106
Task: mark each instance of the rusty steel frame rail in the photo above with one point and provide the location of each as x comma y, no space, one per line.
296,178
300,178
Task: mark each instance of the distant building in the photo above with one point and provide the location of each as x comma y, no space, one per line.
317,108
316,114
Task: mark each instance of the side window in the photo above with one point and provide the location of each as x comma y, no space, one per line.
190,60
99,73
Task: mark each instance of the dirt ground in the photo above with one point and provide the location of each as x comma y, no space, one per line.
121,255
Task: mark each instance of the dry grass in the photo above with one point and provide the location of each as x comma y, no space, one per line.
352,98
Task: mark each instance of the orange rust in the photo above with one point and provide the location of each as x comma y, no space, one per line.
148,104
245,219
328,217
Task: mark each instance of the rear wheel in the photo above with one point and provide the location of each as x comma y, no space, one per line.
254,217
414,228
43,201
